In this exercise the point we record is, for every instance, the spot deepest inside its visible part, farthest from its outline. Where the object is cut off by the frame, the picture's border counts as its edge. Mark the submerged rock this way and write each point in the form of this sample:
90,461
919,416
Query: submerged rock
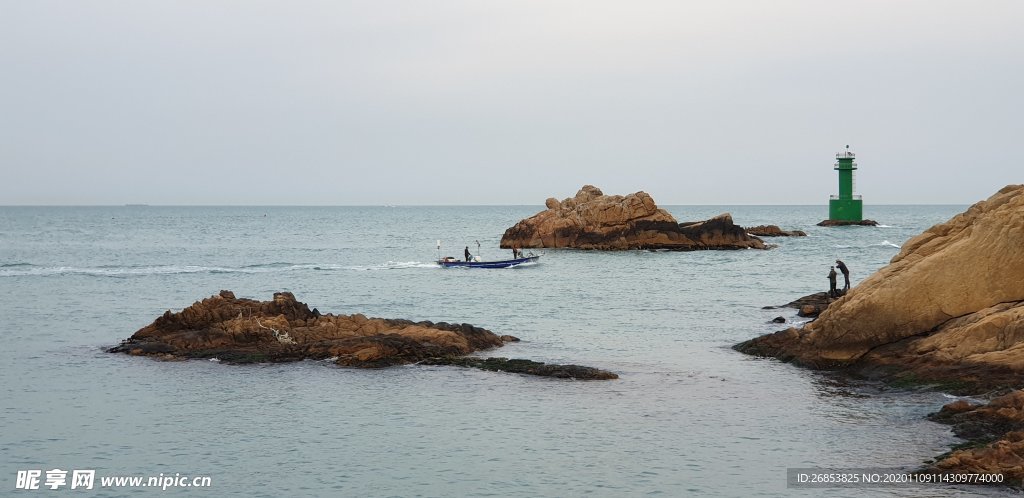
774,231
525,367
247,331
592,220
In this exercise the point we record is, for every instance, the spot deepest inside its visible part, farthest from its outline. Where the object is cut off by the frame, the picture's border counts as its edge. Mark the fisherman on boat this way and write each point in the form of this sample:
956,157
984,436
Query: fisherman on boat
467,253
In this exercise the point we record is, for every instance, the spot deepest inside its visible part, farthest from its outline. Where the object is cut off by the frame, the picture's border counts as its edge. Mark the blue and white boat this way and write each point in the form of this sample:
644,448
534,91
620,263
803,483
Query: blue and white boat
476,262
451,262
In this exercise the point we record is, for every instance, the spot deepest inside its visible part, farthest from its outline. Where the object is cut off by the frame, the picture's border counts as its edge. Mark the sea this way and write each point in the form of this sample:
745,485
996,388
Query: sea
688,415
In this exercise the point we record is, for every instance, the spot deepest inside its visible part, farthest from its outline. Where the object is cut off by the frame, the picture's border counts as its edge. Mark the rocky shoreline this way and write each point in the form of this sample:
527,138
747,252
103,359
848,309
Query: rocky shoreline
240,331
946,313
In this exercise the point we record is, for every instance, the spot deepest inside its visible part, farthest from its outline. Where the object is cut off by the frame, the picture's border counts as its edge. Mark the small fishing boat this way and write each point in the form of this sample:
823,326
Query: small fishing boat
451,262
475,261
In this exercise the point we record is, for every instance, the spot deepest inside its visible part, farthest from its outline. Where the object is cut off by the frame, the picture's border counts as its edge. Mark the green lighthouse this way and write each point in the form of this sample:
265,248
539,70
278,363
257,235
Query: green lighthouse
845,206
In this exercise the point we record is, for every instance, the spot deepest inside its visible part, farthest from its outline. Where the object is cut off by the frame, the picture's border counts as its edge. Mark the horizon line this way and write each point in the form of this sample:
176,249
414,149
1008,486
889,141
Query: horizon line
143,205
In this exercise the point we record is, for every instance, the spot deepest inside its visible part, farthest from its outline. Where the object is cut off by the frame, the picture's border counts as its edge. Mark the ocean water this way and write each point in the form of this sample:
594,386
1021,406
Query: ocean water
688,416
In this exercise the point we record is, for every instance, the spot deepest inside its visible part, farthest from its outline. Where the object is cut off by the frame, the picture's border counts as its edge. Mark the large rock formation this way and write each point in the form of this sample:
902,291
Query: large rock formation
592,220
948,311
949,306
284,329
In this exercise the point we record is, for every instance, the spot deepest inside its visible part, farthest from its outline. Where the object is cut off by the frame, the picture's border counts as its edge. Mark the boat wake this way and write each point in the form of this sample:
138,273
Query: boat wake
113,271
393,265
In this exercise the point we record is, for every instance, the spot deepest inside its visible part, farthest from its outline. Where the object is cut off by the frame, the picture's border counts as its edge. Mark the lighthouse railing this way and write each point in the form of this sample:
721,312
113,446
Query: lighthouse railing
854,197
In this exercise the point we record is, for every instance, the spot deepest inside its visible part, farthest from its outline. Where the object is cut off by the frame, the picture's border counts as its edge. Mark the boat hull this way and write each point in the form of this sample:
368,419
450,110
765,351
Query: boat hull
487,264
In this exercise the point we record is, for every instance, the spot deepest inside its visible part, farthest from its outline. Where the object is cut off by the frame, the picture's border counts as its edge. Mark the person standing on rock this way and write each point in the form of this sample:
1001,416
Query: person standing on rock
832,282
467,253
846,274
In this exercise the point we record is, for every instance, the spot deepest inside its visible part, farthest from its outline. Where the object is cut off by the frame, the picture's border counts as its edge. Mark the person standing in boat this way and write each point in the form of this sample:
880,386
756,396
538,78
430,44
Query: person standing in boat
832,282
467,253
846,274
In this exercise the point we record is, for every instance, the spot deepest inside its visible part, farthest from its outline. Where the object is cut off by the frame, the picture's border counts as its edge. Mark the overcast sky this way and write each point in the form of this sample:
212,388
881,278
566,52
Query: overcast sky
507,102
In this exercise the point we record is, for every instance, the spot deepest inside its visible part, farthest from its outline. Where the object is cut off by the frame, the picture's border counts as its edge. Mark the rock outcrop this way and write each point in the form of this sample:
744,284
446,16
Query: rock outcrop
237,330
840,223
774,231
592,220
949,306
810,305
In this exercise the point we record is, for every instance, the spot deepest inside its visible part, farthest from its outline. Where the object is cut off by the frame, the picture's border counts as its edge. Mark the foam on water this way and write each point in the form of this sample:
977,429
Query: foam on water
393,265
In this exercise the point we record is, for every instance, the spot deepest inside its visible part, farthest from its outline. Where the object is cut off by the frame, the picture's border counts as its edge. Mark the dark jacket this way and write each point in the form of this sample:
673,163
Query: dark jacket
842,267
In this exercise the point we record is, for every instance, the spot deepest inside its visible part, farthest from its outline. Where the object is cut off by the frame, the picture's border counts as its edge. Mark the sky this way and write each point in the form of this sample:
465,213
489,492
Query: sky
385,102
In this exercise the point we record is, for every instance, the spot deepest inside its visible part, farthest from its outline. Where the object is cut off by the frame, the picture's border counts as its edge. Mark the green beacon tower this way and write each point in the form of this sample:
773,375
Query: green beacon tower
846,206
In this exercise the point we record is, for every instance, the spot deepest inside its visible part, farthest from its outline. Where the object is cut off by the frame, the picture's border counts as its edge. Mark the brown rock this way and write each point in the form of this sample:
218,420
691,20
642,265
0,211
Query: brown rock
284,329
774,231
808,310
592,220
998,426
948,307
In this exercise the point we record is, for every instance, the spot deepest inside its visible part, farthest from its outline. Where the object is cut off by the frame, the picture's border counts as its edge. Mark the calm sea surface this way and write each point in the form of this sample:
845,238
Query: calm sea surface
688,416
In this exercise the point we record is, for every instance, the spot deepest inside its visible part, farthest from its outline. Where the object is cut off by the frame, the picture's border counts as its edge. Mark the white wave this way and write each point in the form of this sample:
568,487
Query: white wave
393,265
969,399
884,243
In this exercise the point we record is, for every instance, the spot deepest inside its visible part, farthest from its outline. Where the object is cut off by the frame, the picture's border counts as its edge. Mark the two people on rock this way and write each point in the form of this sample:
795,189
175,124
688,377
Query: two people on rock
832,292
846,274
